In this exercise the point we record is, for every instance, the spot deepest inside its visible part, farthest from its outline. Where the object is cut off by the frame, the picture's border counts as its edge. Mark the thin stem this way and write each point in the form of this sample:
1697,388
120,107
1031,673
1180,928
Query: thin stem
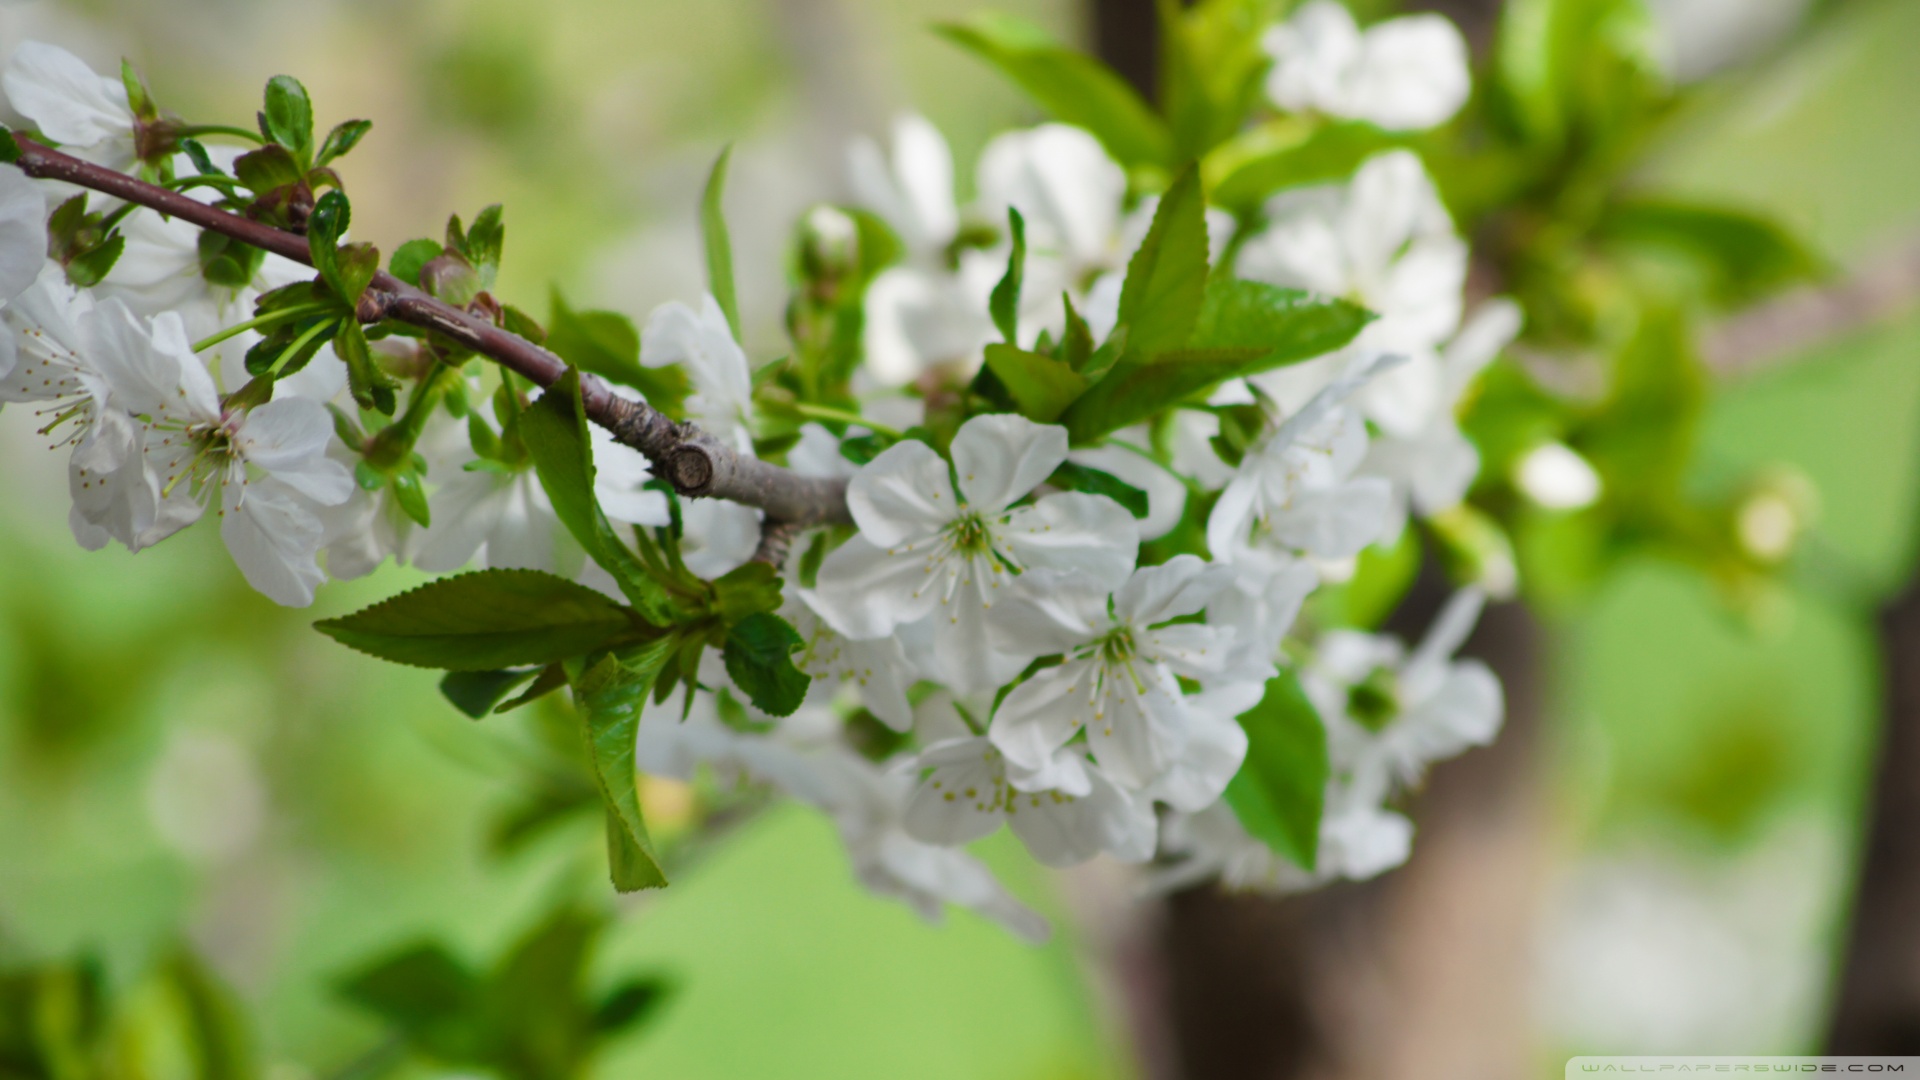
304,340
842,416
194,131
255,323
693,461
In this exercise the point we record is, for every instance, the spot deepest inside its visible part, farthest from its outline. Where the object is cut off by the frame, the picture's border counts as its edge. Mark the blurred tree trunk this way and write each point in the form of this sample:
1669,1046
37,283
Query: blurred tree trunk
1126,34
1420,973
1877,1007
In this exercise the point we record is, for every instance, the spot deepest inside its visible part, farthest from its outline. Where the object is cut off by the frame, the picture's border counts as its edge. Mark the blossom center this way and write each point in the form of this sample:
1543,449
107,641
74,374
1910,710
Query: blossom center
1374,701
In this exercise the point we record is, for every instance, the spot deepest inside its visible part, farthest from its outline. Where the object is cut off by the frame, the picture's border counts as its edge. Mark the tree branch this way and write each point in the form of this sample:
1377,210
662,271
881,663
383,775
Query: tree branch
693,461
1765,336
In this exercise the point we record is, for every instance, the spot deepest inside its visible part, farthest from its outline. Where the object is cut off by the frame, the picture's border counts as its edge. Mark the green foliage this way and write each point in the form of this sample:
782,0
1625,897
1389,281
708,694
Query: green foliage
1271,326
85,243
1038,386
1074,87
347,269
759,659
64,1020
371,387
610,692
607,344
555,432
1291,153
1381,577
1167,277
1004,303
1279,792
341,140
411,257
288,116
477,692
1211,69
1738,257
530,1016
485,620
1072,477
713,229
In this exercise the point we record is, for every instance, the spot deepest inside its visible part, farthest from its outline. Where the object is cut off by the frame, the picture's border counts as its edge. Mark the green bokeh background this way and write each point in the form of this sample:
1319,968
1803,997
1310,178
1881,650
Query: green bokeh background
1677,722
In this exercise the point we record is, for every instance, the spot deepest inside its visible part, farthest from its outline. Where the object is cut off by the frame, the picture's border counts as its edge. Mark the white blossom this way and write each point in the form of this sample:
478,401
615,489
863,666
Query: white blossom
702,343
877,669
23,233
501,514
46,357
1065,814
1395,712
87,114
1555,476
1432,468
1119,677
1359,838
1403,74
932,307
266,466
925,552
1386,242
1296,489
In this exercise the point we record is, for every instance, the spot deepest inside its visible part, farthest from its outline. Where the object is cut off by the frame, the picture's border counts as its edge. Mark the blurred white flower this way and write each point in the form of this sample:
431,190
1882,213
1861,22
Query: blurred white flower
1403,74
1065,814
1556,477
1395,713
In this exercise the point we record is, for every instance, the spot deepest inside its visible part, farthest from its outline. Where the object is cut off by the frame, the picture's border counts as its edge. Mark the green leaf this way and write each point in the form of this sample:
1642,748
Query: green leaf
485,620
427,994
477,692
486,243
1004,303
371,387
411,256
1167,277
220,1037
611,693
10,151
759,657
1074,87
268,169
1243,328
1211,69
1265,161
139,98
331,218
713,229
607,344
1040,386
288,119
92,267
555,431
1072,477
748,589
1276,326
1742,256
341,140
1280,791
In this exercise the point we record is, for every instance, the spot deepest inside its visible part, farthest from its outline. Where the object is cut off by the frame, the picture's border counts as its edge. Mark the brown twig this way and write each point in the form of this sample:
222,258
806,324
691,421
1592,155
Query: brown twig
1771,333
693,461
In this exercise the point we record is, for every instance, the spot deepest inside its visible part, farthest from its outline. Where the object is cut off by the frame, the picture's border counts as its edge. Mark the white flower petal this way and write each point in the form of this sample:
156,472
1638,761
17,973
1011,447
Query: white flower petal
903,495
864,592
1073,531
1000,457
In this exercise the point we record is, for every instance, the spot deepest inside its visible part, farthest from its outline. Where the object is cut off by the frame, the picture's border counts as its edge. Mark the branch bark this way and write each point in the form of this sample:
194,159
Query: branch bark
693,461
1774,332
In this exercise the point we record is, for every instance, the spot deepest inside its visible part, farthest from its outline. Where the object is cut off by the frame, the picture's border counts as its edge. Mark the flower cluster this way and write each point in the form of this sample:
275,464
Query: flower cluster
1071,622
